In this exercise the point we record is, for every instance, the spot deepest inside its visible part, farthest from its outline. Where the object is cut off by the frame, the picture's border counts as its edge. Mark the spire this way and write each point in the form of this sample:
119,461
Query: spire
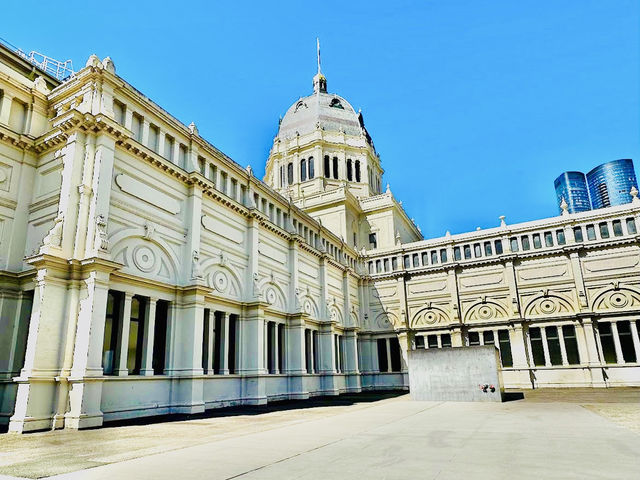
319,80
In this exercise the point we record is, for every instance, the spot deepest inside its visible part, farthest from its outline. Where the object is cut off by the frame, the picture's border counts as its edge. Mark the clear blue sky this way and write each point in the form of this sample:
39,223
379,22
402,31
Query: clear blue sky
474,106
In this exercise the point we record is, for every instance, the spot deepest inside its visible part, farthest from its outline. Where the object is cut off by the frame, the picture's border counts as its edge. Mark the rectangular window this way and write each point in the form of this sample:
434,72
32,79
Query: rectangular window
396,361
445,340
548,239
386,264
119,111
553,343
432,341
467,252
560,237
378,266
416,260
160,337
136,126
487,337
169,144
425,259
577,234
406,263
434,257
474,338
631,226
570,344
383,364
18,116
112,325
373,240
419,341
498,246
626,341
514,244
182,161
591,232
617,228
456,253
487,249
537,243
604,230
606,340
281,345
308,361
154,134
394,263
537,351
443,255
136,335
477,250
526,244
270,347
505,348
231,359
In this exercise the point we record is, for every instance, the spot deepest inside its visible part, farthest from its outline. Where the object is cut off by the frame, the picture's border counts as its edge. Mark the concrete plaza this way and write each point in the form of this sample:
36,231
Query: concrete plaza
550,434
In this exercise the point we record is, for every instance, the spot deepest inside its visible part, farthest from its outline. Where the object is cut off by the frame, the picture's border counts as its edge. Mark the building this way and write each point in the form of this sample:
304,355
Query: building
607,185
572,187
144,272
611,182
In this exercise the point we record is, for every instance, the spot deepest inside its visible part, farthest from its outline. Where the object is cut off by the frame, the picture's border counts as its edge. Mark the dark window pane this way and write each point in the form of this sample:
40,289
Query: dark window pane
537,243
467,252
505,348
548,239
432,341
425,259
456,253
407,263
606,340
312,171
591,232
498,245
626,341
419,341
537,351
577,233
570,344
514,244
383,365
560,237
617,228
487,337
394,347
443,255
553,342
604,230
487,248
434,257
477,251
631,226
526,245
445,340
474,338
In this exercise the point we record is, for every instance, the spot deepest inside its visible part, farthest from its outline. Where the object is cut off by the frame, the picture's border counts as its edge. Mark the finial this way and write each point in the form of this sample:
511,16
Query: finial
564,207
478,229
388,189
319,80
502,222
447,233
193,129
318,45
634,194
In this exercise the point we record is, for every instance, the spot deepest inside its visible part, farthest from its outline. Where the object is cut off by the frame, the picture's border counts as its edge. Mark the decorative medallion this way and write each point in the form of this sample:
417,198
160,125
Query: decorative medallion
220,281
271,296
144,258
307,307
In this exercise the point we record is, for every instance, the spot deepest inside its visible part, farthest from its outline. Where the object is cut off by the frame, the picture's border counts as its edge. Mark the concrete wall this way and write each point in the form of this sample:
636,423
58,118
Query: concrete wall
455,374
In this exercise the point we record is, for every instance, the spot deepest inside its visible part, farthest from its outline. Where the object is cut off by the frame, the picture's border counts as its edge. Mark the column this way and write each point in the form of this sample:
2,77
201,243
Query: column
161,138
456,337
212,341
518,346
563,350
636,340
5,108
224,343
545,346
616,342
588,342
388,343
176,153
146,368
123,340
128,118
276,349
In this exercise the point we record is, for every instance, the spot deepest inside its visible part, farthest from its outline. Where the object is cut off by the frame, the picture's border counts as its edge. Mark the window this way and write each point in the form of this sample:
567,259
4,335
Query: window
112,325
631,226
514,244
18,116
373,240
445,340
335,167
327,166
432,341
537,350
498,246
290,173
591,232
386,264
617,228
416,260
577,234
154,133
570,344
487,337
560,237
406,262
505,348
182,161
383,364
553,344
349,170
419,341
136,334
119,111
487,249
443,255
394,350
548,239
303,170
434,257
626,341
394,263
467,252
357,170
425,259
335,103
604,230
378,267
524,240
474,338
456,253
606,341
477,250
136,126
169,143
371,268
160,337
312,171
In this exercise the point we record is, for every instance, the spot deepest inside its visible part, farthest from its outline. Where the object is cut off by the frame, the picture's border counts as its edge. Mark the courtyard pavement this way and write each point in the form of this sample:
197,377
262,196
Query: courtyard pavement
551,434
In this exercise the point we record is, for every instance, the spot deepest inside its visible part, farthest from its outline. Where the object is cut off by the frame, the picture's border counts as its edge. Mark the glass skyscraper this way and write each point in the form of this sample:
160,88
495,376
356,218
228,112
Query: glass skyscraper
606,185
572,186
610,183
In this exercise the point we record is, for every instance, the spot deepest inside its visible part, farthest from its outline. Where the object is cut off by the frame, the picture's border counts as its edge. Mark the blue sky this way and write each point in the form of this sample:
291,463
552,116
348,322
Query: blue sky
474,106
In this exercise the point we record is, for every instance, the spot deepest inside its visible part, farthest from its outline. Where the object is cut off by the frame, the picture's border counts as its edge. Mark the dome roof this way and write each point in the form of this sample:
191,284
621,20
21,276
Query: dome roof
326,110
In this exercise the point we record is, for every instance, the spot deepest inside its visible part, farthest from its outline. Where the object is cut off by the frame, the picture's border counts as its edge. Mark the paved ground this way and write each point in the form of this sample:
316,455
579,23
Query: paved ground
550,434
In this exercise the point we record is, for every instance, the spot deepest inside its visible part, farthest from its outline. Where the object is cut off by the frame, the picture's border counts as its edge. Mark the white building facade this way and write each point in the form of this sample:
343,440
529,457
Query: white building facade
146,273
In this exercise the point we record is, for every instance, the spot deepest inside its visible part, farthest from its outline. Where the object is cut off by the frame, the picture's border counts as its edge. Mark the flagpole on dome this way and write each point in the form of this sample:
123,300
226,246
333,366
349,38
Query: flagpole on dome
319,80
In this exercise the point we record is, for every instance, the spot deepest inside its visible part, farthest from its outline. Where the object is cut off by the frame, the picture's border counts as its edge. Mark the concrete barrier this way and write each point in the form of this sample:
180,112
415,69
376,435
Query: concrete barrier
465,374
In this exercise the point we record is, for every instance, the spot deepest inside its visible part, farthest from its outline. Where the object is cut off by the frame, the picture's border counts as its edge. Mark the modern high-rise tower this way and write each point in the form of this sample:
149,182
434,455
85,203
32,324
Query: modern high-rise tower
572,186
611,182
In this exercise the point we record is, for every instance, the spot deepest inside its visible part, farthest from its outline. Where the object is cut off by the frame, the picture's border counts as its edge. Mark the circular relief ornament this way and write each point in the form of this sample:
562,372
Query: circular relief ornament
619,300
484,312
144,258
271,296
220,281
307,307
430,317
547,306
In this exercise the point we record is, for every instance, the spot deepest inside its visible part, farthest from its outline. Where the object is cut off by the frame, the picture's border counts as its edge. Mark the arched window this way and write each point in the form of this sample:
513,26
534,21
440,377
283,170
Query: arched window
335,167
327,166
290,173
335,103
357,170
312,172
349,170
303,170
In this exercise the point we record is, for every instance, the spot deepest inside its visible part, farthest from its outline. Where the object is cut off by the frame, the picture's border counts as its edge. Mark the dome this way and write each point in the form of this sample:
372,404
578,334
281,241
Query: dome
324,110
